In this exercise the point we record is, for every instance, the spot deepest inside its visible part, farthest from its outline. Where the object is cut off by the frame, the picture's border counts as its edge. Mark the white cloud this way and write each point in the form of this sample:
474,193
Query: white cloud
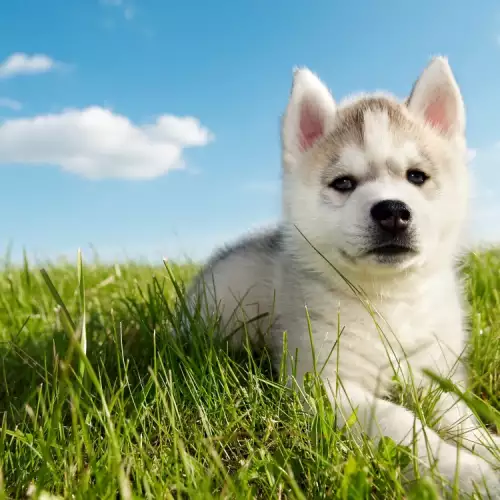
20,63
96,143
5,102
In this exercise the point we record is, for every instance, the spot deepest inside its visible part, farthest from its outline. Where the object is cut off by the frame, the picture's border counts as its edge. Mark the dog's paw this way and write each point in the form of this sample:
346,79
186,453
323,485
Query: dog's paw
487,446
470,473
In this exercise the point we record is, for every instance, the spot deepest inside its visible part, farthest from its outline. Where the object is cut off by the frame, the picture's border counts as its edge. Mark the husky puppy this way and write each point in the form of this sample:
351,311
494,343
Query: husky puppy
377,188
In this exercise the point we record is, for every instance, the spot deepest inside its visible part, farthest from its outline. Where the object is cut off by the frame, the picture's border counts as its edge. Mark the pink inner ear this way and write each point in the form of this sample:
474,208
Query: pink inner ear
311,125
437,114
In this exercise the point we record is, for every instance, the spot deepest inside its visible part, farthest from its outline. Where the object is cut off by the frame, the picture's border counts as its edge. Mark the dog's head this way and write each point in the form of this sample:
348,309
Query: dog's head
375,183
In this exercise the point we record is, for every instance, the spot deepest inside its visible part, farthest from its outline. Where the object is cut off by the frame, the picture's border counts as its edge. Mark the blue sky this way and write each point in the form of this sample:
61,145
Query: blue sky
76,76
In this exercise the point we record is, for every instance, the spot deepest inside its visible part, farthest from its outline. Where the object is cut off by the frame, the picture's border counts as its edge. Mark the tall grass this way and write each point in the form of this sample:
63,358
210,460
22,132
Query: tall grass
99,400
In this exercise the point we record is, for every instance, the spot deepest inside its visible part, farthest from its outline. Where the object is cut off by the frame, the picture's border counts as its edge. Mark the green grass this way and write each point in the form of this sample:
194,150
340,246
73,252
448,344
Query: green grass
122,409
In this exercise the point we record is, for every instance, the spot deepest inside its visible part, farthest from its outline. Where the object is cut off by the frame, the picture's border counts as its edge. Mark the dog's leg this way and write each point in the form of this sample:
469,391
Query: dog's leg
377,418
459,422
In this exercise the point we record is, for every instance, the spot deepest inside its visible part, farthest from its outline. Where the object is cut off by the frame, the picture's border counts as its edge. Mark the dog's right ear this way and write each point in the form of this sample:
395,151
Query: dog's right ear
436,98
308,116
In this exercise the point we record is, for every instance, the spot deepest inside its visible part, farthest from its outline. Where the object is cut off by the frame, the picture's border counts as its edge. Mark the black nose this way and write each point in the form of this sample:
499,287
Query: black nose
392,216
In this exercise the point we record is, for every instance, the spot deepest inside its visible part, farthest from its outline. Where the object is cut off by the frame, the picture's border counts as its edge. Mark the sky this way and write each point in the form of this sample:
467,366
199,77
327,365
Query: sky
149,128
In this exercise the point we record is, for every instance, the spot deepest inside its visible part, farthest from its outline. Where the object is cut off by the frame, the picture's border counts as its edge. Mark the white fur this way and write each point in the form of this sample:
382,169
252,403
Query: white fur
417,302
380,143
354,159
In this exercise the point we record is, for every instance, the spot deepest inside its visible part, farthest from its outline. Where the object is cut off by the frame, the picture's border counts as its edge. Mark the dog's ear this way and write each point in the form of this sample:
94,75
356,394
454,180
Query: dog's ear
308,116
436,98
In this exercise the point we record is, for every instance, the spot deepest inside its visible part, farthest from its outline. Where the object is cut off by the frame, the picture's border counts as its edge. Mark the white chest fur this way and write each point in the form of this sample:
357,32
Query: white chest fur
367,342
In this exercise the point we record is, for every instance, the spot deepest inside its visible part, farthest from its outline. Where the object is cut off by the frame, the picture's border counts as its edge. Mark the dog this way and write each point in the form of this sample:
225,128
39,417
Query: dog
375,196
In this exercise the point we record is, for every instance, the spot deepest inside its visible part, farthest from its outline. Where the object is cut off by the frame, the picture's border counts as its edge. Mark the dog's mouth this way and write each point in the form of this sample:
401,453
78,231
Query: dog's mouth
385,253
391,250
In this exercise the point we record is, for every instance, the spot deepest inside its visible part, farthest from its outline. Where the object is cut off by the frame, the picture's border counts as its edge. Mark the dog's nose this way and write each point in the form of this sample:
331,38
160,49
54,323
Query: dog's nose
391,215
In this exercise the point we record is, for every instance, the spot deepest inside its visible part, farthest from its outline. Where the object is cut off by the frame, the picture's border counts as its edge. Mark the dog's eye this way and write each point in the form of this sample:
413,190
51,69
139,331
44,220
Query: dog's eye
343,184
416,177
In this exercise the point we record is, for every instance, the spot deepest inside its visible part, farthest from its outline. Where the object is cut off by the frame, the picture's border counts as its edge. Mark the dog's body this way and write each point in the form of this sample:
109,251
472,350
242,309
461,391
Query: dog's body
378,188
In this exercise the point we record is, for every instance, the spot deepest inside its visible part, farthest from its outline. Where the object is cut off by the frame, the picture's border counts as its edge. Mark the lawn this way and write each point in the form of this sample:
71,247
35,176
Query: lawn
99,400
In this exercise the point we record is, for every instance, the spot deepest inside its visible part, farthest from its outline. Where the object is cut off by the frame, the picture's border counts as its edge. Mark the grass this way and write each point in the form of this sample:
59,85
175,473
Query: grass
99,400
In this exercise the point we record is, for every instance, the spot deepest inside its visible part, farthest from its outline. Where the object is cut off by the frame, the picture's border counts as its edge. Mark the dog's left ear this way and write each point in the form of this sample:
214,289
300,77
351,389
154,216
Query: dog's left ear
436,98
308,116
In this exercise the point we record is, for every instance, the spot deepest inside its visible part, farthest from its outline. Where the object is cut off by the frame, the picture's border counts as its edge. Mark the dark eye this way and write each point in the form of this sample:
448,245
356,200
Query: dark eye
343,184
416,177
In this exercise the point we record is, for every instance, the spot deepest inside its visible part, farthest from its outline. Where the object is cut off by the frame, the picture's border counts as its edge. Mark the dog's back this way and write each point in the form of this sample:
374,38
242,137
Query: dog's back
238,282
